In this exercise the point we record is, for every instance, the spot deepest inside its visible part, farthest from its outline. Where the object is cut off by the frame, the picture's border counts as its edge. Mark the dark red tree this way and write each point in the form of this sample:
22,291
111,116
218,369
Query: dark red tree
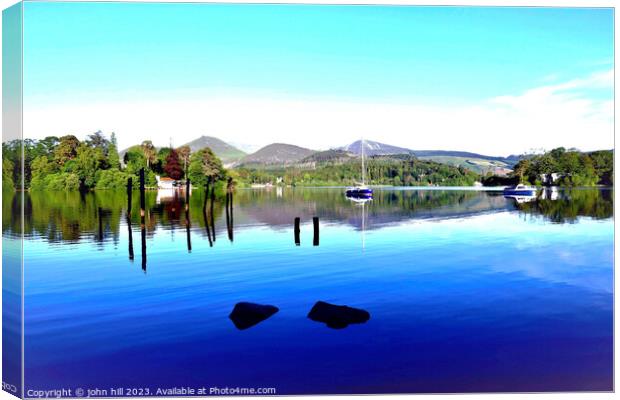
173,168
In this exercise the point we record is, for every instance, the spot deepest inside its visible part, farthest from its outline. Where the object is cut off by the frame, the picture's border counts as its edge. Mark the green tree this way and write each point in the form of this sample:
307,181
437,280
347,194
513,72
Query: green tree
7,175
98,141
41,166
46,146
66,149
134,159
87,164
113,158
149,152
184,153
204,166
160,160
521,169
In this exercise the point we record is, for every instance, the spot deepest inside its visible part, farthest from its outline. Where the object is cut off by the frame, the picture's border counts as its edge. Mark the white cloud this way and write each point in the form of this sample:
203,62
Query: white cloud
563,114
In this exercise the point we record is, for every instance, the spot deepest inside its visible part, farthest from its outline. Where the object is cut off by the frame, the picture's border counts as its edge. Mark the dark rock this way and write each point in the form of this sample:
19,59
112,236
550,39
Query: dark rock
337,317
245,315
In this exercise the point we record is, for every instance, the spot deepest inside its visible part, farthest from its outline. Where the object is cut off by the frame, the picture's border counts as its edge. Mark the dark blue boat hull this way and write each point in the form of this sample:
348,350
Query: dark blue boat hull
508,192
359,192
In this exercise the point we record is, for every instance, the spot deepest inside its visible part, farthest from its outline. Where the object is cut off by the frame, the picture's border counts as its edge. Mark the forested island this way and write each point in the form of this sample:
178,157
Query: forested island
66,163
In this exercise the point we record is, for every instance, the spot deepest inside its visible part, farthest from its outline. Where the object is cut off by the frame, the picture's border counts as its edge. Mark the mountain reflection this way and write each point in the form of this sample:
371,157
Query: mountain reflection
71,217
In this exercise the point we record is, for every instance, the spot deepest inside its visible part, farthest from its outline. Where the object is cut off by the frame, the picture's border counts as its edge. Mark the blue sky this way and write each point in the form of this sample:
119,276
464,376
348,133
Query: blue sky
283,56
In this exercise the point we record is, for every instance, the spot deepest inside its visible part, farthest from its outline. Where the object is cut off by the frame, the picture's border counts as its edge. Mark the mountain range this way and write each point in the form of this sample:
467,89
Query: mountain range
476,162
282,154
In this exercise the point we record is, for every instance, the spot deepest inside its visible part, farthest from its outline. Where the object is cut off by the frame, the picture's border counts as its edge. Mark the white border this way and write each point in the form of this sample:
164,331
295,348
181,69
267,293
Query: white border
515,3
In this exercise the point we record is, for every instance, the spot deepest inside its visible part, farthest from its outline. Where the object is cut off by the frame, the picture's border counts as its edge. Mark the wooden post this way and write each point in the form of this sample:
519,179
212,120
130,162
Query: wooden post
297,230
206,217
129,231
129,194
142,219
315,223
143,237
128,217
232,224
142,198
211,213
229,215
99,215
189,237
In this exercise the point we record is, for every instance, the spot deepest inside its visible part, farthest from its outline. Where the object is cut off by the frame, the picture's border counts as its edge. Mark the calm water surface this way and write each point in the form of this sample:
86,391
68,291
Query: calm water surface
466,291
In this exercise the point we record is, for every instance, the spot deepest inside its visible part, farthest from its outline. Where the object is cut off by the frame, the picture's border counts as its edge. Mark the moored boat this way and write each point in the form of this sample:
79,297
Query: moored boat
520,190
361,191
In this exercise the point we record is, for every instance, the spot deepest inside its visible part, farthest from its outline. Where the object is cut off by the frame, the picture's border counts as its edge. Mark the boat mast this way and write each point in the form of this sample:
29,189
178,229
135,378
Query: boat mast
363,167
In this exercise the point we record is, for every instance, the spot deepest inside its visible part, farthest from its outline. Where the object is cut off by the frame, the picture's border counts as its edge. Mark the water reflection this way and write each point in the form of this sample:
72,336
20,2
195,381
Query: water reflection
65,217
566,206
520,199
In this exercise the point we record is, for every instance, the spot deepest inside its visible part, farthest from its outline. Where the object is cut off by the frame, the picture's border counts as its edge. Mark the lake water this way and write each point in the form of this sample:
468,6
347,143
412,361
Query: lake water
467,291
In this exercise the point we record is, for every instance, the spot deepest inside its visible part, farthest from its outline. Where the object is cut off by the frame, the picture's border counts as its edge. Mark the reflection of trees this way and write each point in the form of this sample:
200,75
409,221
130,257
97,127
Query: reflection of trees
11,210
71,216
68,216
572,204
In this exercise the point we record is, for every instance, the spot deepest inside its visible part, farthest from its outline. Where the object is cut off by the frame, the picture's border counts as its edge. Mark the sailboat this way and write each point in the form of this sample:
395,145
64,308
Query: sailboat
361,191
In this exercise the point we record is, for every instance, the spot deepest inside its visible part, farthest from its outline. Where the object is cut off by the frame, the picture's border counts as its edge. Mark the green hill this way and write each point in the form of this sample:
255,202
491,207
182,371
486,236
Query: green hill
227,153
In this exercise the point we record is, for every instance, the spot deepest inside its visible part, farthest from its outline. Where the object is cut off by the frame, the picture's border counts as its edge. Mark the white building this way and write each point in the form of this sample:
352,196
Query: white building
165,183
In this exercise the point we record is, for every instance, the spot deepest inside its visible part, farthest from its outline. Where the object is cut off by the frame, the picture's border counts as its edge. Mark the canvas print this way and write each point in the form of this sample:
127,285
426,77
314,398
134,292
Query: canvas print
203,199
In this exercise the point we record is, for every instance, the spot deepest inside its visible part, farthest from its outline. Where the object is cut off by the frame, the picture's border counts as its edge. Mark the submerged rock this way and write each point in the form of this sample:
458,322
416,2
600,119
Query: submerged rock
337,317
245,315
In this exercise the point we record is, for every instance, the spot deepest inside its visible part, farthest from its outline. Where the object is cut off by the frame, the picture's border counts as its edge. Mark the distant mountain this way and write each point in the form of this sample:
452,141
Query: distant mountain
227,153
374,148
276,154
461,154
332,156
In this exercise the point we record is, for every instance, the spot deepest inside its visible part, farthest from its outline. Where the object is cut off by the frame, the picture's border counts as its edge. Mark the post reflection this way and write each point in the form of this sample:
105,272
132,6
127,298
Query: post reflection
128,217
229,209
143,219
187,218
206,211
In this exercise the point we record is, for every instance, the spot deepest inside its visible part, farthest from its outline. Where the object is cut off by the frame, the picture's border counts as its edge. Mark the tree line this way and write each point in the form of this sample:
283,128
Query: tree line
66,163
396,170
572,168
